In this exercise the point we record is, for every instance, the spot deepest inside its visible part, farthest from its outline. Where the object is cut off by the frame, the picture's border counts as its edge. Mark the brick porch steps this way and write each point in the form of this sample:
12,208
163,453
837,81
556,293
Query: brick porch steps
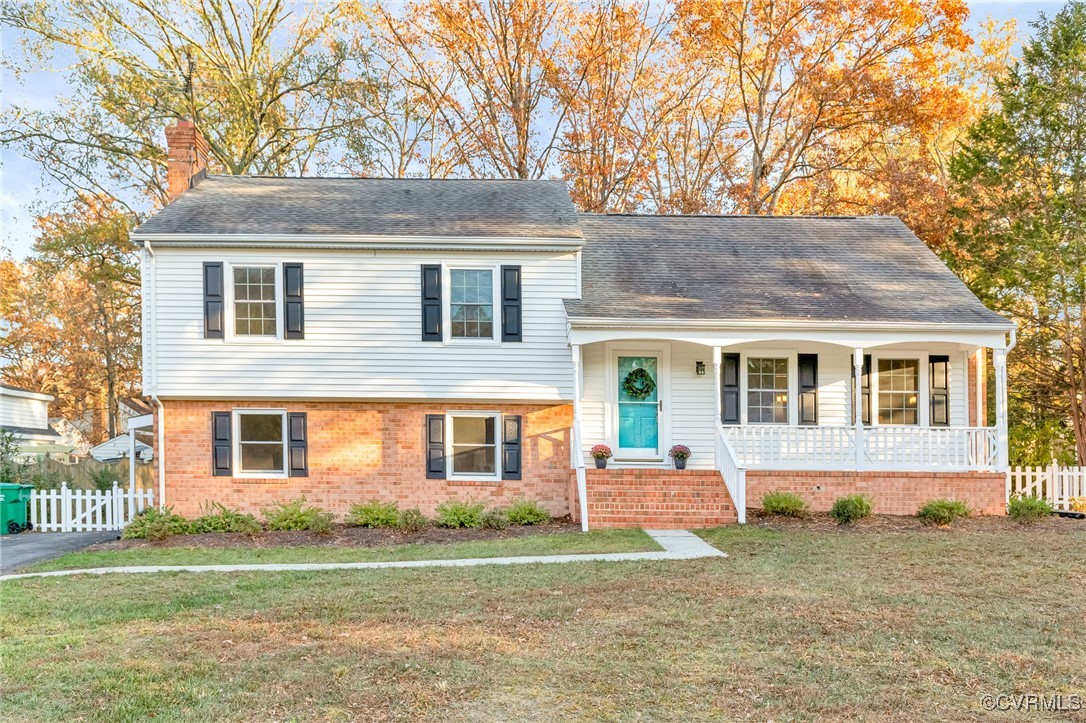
657,498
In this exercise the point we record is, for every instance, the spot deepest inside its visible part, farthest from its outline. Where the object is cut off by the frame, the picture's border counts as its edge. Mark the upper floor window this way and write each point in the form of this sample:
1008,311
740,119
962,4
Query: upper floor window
471,303
255,301
767,391
899,391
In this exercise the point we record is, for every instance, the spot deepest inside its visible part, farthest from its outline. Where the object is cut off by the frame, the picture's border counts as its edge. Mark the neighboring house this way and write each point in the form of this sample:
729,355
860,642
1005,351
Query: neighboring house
118,448
25,413
71,435
423,340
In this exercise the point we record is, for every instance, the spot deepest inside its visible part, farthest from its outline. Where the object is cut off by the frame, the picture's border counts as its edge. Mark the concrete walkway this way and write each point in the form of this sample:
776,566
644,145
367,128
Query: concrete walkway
27,548
677,544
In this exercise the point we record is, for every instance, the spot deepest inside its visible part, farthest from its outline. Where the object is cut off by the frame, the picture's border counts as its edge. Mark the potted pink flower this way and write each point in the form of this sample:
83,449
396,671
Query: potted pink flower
679,454
601,453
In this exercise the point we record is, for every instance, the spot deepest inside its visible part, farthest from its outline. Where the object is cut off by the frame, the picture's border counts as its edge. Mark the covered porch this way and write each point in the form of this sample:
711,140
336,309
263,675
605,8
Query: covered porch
776,400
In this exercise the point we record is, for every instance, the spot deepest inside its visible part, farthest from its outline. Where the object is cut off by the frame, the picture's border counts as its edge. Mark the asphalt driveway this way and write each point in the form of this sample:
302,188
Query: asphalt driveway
27,548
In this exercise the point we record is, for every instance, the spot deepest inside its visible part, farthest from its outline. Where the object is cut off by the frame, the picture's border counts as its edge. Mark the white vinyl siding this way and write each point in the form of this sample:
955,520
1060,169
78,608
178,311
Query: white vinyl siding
19,411
363,332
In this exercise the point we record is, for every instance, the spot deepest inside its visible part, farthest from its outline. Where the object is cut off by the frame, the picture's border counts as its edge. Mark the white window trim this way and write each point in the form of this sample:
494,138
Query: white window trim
923,394
228,273
792,355
236,445
663,352
498,431
446,304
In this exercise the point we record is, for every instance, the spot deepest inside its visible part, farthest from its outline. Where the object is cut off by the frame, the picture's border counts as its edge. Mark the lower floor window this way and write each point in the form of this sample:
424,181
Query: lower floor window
261,442
899,389
767,391
473,444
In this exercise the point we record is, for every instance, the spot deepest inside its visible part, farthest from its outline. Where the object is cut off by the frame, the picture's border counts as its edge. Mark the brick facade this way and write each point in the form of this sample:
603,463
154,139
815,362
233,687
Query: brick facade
655,498
891,493
360,451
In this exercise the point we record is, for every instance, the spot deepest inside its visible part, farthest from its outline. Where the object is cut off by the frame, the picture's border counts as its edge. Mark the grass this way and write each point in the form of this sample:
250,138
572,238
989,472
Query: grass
792,625
557,544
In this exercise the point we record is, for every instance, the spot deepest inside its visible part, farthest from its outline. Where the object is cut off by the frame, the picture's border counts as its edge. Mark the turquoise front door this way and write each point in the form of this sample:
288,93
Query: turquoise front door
638,407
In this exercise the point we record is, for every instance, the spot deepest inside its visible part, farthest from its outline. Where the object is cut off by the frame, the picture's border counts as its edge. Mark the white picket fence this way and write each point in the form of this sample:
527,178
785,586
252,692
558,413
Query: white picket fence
68,510
1054,483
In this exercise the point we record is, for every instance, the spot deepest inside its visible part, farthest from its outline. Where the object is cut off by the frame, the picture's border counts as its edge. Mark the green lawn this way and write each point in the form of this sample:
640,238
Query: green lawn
792,625
558,544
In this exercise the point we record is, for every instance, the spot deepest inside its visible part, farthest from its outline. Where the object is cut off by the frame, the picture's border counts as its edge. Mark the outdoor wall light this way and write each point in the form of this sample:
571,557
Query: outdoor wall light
699,368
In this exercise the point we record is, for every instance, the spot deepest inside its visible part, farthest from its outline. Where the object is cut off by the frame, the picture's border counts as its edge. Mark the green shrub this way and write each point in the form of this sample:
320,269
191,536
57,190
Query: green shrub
220,518
103,479
374,514
942,512
296,515
411,521
1028,509
459,514
494,519
527,512
785,504
156,524
850,508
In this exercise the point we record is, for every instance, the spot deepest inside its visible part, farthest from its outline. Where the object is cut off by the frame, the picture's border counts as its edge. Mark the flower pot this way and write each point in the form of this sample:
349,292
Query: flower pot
679,463
601,463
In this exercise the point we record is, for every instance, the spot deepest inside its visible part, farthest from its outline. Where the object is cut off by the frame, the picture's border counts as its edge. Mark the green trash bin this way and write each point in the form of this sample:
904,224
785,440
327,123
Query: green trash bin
13,502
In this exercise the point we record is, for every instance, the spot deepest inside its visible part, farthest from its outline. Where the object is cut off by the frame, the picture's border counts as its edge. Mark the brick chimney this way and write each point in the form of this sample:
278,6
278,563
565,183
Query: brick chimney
187,158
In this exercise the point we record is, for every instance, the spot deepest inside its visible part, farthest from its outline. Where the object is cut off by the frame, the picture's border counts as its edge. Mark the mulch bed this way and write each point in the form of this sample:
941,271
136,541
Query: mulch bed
823,523
343,536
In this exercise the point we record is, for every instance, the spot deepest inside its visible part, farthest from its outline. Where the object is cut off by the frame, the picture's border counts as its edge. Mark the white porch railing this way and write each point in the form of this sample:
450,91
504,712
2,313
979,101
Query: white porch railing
1053,483
883,448
734,474
68,510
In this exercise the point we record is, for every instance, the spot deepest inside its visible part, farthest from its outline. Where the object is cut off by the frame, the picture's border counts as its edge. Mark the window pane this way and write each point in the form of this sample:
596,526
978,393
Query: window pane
899,384
260,427
471,306
474,448
254,301
261,457
767,391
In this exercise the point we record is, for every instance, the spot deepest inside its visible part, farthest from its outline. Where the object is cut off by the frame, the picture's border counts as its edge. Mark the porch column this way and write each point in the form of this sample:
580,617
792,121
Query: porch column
717,386
577,453
999,359
131,457
857,405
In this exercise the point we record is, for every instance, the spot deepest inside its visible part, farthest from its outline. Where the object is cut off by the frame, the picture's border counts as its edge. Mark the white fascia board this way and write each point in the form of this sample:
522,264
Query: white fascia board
799,325
25,394
144,421
339,242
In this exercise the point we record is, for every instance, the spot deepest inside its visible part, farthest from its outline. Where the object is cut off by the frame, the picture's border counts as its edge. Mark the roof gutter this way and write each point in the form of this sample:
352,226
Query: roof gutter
804,325
358,241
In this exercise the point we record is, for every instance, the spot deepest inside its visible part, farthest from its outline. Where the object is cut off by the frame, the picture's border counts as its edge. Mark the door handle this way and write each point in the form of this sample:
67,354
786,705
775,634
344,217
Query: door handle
660,405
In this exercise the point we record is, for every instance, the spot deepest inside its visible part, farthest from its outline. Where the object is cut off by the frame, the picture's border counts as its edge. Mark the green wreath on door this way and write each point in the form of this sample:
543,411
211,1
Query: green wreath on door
639,384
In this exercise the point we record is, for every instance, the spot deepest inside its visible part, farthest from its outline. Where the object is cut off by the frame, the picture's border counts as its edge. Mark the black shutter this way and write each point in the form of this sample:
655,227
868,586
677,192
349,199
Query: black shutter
293,302
220,444
729,388
213,300
435,446
297,445
865,391
808,388
511,323
431,302
511,447
939,380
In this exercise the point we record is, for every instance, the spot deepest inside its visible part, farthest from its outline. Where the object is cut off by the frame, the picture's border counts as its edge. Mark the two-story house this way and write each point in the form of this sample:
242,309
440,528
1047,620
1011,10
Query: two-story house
422,340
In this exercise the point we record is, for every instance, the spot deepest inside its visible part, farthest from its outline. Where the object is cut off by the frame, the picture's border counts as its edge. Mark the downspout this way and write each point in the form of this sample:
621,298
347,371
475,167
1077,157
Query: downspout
577,452
153,376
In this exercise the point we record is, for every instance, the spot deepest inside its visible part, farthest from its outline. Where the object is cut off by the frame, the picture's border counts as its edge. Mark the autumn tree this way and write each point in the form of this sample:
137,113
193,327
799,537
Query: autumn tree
819,80
261,79
1021,243
72,316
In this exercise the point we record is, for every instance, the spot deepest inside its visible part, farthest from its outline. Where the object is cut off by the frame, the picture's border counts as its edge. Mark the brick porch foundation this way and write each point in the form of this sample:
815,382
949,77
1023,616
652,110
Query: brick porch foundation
360,451
655,498
891,493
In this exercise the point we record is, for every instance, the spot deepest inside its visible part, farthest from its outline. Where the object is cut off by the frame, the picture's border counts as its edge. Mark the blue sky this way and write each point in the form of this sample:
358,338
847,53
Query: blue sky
25,191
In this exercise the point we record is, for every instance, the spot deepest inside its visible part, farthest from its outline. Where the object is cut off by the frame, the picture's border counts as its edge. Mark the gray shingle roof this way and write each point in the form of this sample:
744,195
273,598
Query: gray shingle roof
767,268
370,207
